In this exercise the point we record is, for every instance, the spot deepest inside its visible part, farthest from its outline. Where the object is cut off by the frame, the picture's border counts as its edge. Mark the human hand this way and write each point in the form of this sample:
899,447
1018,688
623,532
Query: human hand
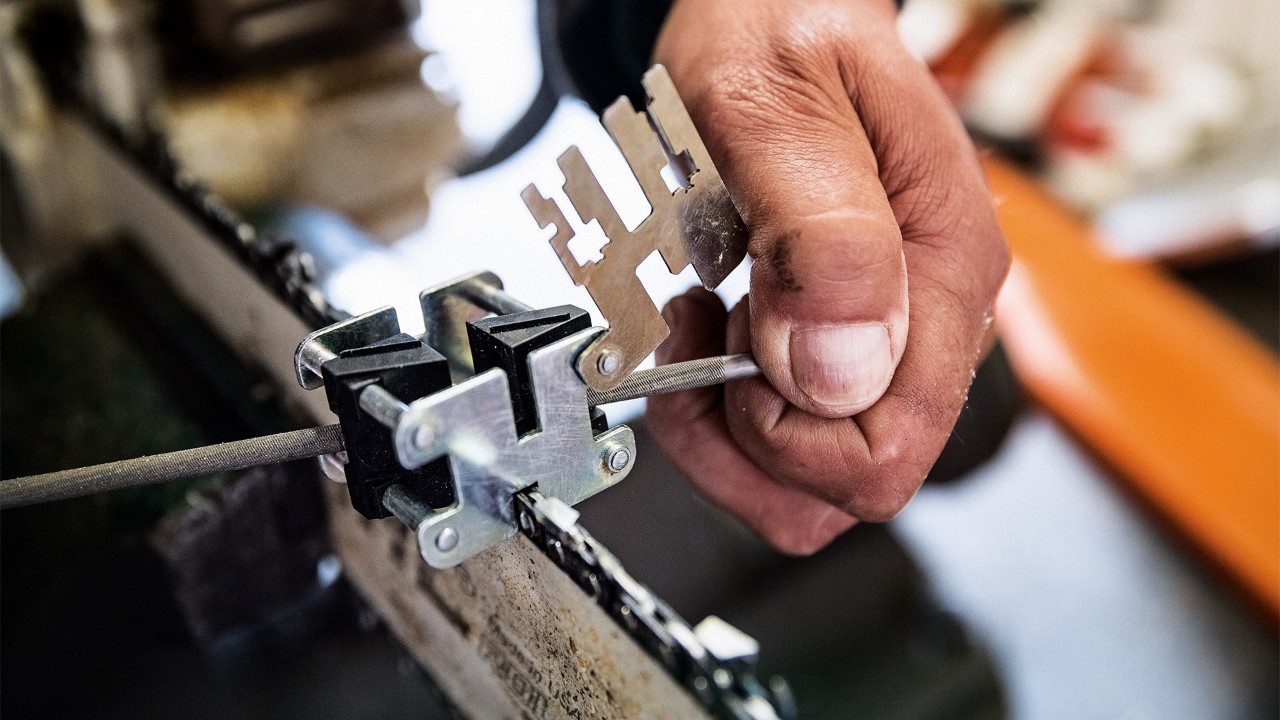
876,262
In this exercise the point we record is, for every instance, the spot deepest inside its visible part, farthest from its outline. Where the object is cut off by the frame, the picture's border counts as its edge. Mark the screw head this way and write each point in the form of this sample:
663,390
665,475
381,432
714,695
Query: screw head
609,362
424,437
618,458
447,540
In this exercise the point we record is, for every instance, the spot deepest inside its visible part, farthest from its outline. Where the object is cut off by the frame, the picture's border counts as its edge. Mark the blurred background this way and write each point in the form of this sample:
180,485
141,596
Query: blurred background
1100,539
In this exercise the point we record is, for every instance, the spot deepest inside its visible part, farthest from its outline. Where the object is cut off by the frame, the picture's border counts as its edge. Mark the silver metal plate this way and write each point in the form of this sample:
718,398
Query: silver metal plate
448,307
473,424
328,342
696,223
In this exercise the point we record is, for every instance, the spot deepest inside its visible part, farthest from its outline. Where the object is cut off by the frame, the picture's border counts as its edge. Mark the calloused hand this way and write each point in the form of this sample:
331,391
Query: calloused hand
876,262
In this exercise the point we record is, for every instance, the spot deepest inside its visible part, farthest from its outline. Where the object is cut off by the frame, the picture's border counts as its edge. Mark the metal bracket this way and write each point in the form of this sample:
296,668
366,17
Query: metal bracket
473,424
696,223
328,342
449,306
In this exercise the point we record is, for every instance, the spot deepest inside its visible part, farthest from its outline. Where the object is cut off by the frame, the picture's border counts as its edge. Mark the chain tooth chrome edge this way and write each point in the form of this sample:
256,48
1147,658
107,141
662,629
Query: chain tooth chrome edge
724,689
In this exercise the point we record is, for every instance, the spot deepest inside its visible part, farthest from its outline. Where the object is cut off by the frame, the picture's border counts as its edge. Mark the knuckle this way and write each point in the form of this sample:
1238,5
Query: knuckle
798,537
1001,259
832,251
803,50
934,205
754,411
786,80
776,440
853,244
985,264
880,506
790,543
785,540
899,472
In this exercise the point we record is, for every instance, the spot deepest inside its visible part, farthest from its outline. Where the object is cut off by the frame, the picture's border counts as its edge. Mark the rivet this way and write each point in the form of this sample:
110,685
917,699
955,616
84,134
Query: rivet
609,362
424,437
619,458
447,539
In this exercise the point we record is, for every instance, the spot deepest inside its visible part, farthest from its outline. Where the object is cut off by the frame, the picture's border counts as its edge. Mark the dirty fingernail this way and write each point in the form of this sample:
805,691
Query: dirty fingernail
843,368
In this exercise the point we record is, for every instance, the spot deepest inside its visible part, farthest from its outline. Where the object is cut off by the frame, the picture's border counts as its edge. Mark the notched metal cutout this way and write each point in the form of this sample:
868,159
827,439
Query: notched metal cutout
696,224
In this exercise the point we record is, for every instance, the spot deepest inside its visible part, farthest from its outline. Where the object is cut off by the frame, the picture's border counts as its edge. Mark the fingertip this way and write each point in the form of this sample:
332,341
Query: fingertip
704,298
696,319
841,369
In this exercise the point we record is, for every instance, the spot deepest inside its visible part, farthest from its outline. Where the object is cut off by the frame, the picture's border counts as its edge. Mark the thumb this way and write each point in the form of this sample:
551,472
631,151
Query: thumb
829,306
829,284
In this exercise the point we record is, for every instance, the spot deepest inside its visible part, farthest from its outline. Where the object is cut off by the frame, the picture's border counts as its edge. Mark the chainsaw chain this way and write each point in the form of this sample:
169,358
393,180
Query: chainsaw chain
725,688
287,270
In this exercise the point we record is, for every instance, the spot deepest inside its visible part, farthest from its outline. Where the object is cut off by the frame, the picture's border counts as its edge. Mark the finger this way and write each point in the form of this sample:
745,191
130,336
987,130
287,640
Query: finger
931,174
827,458
956,258
829,278
697,321
691,429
